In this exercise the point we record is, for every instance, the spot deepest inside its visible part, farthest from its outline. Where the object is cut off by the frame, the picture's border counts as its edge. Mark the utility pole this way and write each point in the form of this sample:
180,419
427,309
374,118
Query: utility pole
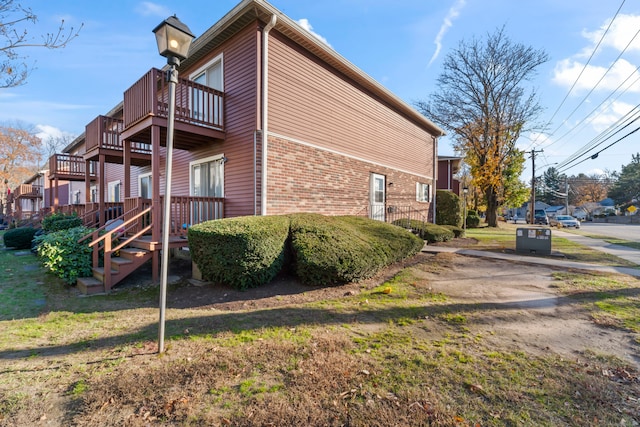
566,190
532,208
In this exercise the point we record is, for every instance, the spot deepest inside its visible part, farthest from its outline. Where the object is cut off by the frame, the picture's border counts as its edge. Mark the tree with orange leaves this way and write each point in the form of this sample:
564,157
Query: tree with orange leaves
20,156
482,102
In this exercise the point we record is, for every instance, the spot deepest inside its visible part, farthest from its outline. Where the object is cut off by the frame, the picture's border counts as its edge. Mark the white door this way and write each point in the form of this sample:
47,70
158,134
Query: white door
377,197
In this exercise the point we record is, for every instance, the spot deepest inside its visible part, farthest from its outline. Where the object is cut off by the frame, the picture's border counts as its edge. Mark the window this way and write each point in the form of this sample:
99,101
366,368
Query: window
207,177
144,185
114,191
422,192
203,104
94,193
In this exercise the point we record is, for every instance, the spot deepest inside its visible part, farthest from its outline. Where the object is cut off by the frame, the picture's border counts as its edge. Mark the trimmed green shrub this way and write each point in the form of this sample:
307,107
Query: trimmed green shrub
436,233
333,250
64,256
59,221
448,208
432,233
19,238
473,219
242,252
457,231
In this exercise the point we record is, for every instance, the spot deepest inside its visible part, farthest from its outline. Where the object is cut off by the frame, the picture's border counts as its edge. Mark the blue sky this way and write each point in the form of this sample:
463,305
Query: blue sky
400,43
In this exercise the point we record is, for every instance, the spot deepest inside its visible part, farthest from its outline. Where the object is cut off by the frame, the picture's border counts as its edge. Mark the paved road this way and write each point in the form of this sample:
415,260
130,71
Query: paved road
619,231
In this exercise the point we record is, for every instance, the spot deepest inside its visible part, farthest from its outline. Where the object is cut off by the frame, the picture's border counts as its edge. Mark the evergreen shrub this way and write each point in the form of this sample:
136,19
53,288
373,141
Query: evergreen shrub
333,250
448,208
19,238
64,256
473,219
242,252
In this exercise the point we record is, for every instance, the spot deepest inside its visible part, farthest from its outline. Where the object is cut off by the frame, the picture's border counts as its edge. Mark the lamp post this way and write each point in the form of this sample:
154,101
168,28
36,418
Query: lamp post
174,39
465,190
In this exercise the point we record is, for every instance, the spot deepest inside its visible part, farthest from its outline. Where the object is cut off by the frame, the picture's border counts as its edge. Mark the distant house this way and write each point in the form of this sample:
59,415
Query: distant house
447,168
27,199
269,120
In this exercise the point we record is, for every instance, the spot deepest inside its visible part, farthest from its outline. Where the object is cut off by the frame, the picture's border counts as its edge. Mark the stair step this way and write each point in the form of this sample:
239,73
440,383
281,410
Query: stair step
118,261
98,273
90,285
132,253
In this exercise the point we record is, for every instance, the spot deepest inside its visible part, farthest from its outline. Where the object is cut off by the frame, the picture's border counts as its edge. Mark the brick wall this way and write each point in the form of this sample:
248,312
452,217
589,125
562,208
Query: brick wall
306,179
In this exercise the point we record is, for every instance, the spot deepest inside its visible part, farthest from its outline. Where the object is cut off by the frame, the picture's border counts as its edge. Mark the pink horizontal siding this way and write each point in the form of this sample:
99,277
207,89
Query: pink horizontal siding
313,103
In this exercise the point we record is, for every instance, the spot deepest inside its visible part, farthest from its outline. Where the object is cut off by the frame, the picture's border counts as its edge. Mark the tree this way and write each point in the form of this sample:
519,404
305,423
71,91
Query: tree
14,36
554,187
20,155
626,189
588,188
481,101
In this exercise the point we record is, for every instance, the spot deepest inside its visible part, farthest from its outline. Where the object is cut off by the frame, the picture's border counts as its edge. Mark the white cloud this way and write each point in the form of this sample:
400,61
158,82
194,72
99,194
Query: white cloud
454,12
567,71
147,8
596,171
304,23
46,132
609,114
622,31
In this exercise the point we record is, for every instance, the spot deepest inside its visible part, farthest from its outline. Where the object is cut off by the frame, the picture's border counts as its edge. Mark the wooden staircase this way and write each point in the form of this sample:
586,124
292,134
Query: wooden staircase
128,261
121,249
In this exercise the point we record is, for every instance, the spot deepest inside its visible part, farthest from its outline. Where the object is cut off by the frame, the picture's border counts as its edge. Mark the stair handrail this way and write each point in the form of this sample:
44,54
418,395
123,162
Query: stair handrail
107,239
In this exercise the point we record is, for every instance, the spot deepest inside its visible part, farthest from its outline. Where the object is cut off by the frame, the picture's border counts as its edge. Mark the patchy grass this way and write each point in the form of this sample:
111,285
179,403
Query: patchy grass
614,300
392,353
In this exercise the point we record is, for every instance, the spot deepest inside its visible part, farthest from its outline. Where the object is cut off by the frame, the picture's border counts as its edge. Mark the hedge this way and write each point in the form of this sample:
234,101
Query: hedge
242,252
432,233
457,231
473,219
249,251
332,250
448,208
19,238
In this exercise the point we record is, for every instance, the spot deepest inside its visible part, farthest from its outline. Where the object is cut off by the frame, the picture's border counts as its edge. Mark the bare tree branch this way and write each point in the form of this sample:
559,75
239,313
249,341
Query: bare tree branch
481,101
14,69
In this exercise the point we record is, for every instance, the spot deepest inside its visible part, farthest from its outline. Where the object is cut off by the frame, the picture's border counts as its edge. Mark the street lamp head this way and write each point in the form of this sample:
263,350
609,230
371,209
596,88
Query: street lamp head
465,190
174,39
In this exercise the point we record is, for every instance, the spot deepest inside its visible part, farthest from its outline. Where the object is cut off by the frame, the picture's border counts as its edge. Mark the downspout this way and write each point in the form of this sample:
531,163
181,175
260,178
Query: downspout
264,110
435,175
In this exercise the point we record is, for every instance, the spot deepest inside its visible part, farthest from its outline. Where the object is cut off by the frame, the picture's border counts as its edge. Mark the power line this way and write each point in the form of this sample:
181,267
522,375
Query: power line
581,72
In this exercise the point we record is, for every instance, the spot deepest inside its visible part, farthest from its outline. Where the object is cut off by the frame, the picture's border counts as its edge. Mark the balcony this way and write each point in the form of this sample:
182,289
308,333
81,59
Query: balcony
27,191
103,137
68,167
199,114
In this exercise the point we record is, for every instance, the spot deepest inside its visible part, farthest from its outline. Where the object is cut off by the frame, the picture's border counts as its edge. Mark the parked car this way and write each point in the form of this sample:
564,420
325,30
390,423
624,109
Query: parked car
539,217
564,221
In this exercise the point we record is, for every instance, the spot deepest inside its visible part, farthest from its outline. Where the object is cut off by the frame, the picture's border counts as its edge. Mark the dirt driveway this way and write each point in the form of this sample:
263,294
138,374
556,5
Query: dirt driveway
519,305
511,304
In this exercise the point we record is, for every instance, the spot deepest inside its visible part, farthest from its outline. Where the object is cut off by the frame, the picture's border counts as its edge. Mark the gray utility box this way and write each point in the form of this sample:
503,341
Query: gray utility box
533,241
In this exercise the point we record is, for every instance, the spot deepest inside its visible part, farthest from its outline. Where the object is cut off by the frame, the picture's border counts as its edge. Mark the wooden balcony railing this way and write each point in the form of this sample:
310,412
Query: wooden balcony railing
68,166
104,132
195,103
185,211
27,191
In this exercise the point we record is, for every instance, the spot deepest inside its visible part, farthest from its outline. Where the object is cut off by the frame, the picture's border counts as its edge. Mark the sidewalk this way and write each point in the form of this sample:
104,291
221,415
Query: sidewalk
624,252
632,255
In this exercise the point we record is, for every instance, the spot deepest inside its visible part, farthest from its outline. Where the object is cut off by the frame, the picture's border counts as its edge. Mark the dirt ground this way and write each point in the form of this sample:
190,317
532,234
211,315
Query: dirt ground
511,304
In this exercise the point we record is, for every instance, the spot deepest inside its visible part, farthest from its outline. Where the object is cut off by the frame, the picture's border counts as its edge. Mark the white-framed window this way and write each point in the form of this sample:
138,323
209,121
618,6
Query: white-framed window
144,185
423,192
93,193
113,194
207,177
203,105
